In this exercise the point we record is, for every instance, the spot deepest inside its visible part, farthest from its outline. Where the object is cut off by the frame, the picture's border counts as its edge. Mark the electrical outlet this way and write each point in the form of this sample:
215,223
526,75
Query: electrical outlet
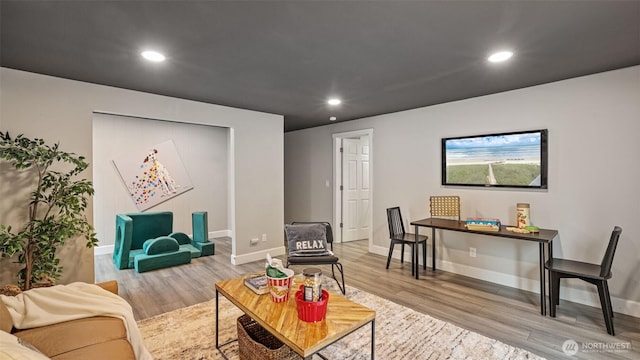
264,237
472,252
254,242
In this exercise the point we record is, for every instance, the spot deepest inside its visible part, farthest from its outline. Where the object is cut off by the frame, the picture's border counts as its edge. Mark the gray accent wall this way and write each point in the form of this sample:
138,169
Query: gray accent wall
594,125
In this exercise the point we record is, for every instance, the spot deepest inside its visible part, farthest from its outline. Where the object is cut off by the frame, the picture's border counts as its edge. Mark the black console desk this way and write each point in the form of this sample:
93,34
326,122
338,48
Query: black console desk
545,236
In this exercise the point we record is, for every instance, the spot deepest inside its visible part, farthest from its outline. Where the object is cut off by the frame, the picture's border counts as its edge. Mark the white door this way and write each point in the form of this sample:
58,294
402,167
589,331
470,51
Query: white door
355,204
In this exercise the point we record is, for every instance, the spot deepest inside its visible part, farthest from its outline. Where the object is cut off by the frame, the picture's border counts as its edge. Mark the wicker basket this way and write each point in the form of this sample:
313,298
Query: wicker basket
254,342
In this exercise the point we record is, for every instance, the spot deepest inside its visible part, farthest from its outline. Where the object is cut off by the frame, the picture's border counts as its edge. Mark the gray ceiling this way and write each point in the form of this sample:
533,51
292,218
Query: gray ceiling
288,57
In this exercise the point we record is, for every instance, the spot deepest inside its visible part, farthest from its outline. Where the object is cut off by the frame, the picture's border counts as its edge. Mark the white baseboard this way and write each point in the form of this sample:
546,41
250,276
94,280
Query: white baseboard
108,249
623,306
218,234
257,255
102,250
590,298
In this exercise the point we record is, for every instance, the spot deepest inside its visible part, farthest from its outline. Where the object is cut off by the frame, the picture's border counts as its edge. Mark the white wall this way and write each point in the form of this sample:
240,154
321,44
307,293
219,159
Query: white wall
594,124
203,151
61,110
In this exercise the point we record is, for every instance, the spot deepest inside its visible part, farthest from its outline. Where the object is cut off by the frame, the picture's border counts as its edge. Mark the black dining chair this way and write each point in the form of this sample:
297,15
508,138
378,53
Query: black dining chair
596,274
397,235
318,259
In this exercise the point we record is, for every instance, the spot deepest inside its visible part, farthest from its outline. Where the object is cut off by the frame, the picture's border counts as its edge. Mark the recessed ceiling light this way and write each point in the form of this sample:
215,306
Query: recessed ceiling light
334,101
153,56
333,118
500,56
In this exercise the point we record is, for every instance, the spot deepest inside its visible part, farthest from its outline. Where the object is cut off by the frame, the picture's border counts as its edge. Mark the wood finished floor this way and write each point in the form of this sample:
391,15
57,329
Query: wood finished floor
503,313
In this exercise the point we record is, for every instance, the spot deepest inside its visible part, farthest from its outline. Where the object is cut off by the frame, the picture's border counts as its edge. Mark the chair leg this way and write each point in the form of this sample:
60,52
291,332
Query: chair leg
402,255
424,255
390,253
414,267
554,293
605,303
552,300
341,270
606,288
556,283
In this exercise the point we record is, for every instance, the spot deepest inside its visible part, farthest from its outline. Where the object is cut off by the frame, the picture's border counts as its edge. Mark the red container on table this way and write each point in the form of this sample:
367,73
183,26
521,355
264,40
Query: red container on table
311,311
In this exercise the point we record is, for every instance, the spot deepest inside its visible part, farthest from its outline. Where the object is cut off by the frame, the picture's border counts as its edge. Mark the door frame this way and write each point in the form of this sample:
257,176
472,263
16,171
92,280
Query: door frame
337,181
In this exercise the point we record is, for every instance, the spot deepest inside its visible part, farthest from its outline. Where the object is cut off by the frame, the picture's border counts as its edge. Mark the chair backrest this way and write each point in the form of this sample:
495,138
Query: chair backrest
394,219
327,226
607,259
445,206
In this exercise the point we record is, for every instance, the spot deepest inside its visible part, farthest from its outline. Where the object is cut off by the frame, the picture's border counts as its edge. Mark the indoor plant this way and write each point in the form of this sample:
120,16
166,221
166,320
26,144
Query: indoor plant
56,207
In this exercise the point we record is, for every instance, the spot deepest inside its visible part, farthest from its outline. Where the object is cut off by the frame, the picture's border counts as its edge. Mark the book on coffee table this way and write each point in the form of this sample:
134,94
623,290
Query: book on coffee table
257,284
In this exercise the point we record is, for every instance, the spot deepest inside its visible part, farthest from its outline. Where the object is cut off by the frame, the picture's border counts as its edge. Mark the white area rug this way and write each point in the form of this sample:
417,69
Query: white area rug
401,333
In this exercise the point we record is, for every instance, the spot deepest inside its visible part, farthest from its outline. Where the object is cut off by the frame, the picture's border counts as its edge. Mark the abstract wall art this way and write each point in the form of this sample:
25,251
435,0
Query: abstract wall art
153,175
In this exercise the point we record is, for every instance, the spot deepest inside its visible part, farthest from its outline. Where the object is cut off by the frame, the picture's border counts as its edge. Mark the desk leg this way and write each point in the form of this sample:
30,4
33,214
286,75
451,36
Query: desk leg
543,282
217,317
433,249
415,253
373,339
550,249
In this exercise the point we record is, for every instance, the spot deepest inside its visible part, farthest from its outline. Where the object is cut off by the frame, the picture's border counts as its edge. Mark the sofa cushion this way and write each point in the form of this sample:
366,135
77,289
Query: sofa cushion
57,339
14,348
109,350
185,243
144,262
5,318
111,286
206,248
195,252
132,257
200,226
149,225
181,238
160,245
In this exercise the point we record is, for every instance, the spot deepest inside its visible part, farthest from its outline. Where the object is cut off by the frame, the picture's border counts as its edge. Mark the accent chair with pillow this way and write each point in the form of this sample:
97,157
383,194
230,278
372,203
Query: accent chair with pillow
311,243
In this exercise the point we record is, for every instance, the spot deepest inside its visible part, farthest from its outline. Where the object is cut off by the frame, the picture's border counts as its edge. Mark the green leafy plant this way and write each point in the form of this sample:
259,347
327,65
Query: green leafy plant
56,208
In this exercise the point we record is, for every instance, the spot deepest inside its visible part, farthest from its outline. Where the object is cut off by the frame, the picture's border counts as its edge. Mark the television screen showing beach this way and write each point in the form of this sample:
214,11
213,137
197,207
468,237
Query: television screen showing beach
508,160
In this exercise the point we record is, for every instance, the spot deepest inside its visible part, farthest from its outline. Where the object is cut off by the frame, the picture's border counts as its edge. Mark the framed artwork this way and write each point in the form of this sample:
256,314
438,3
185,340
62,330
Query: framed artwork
154,175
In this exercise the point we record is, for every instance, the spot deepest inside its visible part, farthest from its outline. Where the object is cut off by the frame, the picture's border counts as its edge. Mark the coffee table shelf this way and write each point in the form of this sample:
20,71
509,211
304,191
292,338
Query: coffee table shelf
281,319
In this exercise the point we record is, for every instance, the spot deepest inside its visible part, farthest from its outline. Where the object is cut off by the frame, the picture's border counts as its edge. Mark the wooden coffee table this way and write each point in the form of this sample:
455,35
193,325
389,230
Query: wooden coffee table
281,319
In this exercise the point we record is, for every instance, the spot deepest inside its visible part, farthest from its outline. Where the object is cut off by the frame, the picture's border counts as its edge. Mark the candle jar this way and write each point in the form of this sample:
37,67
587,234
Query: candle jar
312,283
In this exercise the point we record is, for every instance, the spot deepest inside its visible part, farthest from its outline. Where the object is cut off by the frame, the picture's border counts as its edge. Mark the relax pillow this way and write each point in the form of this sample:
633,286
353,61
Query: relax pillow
14,348
160,245
307,239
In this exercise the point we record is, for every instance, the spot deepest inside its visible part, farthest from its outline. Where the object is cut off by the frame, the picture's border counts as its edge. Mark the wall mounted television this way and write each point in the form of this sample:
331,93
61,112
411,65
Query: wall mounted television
510,160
